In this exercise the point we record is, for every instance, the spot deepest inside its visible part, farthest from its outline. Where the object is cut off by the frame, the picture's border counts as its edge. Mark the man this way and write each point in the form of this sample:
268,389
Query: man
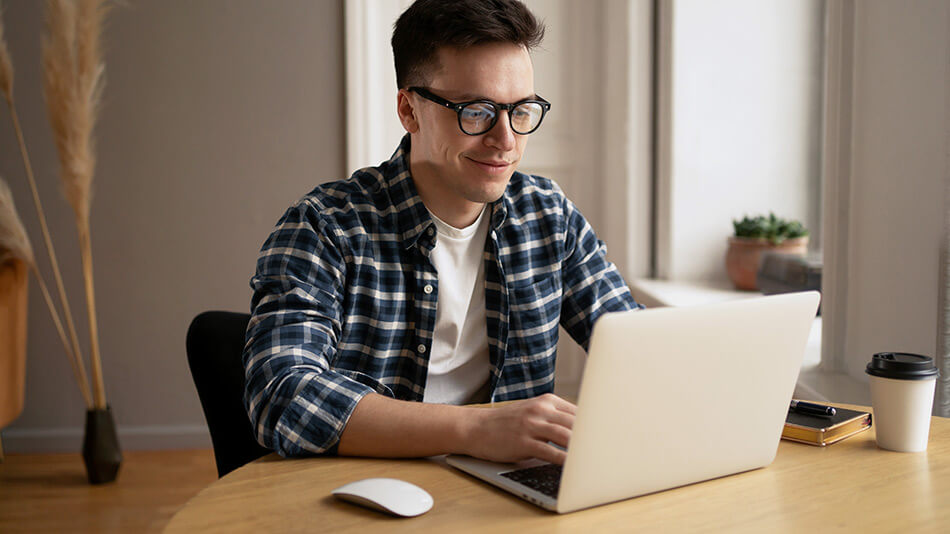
384,302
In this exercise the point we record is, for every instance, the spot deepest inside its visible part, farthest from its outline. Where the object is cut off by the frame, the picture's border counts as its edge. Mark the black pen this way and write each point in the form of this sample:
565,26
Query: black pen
811,408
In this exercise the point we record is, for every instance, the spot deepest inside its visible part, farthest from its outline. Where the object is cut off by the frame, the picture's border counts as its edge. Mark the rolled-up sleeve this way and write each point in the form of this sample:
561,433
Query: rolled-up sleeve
297,404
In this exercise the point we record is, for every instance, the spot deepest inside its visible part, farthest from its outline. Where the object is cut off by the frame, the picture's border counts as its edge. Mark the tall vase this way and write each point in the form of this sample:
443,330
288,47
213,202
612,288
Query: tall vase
100,447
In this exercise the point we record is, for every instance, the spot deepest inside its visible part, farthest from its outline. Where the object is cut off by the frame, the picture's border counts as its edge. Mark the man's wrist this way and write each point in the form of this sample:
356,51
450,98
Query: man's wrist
467,426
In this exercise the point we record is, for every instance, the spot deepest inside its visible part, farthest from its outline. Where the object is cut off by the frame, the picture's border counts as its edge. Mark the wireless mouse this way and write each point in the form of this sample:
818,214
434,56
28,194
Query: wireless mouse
389,495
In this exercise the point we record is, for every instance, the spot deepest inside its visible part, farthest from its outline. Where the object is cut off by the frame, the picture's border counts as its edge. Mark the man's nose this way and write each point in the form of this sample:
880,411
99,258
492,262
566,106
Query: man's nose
501,136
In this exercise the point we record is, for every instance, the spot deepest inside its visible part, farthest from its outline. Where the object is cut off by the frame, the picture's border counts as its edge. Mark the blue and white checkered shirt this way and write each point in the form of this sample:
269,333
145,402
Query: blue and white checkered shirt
345,299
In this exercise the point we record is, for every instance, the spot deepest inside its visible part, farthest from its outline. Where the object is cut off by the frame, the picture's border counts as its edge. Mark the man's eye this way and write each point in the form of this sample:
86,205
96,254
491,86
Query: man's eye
477,113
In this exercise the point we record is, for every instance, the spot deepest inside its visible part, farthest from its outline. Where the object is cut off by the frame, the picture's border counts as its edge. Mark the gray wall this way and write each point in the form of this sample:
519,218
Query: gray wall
900,169
216,117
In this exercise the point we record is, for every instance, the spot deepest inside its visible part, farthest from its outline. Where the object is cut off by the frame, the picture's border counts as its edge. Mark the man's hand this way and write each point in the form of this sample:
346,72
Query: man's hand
521,430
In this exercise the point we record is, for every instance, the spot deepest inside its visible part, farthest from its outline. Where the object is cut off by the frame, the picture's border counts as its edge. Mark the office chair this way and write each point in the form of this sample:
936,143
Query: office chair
214,344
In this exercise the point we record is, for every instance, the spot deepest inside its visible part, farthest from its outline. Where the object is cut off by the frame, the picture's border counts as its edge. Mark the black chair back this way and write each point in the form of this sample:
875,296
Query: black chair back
214,343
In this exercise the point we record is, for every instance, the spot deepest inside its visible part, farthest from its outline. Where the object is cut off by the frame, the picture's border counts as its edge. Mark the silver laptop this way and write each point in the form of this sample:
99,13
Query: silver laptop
669,397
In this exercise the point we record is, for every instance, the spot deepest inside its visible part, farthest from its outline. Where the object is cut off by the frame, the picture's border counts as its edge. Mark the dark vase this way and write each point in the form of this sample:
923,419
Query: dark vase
100,447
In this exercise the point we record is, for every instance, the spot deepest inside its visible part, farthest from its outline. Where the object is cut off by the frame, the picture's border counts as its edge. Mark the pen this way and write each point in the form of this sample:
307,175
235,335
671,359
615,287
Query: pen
811,408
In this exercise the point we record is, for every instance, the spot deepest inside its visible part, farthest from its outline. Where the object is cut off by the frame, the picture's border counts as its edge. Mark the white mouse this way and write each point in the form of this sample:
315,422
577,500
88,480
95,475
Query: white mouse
390,495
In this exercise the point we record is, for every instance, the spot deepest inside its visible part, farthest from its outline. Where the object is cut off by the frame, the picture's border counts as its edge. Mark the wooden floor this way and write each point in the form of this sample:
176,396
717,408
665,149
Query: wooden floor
49,492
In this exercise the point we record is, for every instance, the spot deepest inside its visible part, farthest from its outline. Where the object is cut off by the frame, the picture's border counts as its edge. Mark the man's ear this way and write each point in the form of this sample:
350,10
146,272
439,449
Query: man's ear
406,111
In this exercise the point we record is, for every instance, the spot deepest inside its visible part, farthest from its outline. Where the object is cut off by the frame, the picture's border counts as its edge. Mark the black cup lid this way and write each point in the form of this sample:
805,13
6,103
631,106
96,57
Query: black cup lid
902,366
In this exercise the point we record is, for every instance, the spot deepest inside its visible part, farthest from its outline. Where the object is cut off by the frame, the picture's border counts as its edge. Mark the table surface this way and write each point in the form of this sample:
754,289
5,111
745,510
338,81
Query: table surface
849,485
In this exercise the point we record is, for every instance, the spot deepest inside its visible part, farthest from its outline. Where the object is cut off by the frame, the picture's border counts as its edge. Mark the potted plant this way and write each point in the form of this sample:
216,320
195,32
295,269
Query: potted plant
753,236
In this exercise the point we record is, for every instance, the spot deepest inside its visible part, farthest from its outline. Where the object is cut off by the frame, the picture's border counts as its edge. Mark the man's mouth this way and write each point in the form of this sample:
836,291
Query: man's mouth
490,165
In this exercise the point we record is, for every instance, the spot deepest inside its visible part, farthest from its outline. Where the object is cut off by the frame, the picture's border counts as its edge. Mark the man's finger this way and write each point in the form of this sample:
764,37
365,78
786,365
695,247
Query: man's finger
555,434
549,453
564,406
563,419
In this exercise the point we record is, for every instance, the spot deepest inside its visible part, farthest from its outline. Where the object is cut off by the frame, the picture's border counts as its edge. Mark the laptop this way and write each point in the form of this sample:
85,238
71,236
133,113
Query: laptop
670,397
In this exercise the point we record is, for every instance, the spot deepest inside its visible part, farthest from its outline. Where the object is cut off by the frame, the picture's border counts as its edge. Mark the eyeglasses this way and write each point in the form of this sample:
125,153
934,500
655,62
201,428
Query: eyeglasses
479,116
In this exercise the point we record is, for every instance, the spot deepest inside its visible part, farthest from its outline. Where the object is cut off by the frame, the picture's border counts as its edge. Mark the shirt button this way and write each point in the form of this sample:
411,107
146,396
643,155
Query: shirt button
421,348
427,289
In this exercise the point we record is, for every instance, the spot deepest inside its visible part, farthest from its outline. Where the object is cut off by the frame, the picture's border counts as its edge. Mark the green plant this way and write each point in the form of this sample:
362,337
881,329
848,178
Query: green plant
774,229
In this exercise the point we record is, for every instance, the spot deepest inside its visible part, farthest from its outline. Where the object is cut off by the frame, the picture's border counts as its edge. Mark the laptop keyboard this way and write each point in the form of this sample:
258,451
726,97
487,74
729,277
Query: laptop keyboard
543,478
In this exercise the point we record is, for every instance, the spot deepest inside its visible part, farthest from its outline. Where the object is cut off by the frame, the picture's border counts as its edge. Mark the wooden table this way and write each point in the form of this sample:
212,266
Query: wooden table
850,485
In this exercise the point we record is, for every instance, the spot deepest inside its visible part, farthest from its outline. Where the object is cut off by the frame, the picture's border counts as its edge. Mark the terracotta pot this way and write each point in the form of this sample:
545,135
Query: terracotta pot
745,255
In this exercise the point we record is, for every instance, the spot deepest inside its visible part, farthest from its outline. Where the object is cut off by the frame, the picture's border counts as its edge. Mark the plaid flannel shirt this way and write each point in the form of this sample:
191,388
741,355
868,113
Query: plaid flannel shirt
345,299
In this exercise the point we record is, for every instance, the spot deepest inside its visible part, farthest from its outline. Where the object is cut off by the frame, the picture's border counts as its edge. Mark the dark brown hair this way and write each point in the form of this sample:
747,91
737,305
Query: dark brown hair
428,25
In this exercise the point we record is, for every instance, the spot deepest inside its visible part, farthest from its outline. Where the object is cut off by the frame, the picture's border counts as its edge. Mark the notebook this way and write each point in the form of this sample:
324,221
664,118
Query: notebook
825,430
670,397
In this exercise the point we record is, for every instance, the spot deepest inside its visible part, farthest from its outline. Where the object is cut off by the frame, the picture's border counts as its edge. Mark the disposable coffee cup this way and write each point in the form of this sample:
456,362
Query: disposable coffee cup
902,394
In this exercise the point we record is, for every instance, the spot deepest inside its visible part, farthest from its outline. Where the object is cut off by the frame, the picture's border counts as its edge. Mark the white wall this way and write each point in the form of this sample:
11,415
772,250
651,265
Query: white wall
894,198
626,200
216,117
373,129
740,124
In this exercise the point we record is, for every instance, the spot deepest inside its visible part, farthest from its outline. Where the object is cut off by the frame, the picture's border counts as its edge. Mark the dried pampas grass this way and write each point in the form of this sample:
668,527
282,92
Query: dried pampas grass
73,76
73,73
72,348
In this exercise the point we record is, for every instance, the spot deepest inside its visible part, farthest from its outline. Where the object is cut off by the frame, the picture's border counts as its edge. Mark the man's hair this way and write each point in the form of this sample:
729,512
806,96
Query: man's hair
428,25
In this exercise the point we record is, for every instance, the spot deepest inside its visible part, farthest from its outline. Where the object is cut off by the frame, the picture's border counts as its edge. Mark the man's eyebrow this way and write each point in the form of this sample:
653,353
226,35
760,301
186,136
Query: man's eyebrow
467,97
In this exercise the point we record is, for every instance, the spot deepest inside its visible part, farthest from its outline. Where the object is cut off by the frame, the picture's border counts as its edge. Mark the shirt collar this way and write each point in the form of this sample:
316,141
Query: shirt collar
412,217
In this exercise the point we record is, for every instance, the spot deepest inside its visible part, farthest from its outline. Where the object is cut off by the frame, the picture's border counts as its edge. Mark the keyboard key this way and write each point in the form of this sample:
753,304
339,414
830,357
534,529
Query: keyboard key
543,478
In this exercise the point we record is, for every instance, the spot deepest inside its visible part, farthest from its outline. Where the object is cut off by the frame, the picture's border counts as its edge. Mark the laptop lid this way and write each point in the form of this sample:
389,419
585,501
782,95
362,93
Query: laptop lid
672,396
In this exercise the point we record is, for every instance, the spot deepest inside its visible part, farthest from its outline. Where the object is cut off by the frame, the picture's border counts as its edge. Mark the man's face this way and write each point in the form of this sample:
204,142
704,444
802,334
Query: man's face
454,168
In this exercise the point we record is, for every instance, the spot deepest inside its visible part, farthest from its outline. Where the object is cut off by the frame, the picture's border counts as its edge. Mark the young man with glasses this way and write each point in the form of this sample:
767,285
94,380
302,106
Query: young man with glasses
384,303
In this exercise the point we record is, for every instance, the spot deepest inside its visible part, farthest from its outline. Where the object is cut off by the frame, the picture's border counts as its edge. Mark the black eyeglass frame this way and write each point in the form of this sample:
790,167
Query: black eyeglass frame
457,107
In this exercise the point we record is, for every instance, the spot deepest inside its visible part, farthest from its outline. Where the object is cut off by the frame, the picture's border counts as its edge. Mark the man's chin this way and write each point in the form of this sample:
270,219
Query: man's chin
492,192
484,198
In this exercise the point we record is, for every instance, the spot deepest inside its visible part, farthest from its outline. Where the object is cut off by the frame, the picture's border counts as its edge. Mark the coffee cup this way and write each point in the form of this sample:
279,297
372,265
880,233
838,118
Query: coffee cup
902,394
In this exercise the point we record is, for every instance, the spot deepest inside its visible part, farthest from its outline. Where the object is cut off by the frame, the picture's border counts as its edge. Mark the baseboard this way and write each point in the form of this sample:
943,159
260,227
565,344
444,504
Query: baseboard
131,438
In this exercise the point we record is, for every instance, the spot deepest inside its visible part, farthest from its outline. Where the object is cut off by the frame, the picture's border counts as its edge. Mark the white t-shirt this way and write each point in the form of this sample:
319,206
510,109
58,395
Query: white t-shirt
459,363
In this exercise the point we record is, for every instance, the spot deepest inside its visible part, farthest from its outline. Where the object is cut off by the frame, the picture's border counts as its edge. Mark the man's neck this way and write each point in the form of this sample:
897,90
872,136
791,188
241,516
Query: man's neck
455,211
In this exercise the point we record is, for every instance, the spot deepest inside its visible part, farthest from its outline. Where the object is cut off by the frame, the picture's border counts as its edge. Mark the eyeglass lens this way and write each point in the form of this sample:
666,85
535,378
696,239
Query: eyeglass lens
479,117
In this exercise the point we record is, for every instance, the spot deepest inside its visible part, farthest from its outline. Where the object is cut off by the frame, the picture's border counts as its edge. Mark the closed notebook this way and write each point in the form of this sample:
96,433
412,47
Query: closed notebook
821,431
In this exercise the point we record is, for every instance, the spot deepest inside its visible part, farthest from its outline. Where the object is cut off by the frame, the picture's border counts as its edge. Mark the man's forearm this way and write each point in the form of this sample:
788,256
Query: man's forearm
389,428
384,427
